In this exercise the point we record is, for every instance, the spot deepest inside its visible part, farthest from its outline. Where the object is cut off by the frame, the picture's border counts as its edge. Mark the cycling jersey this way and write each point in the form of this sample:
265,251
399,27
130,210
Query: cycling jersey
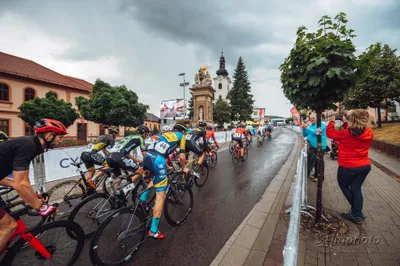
196,141
100,143
17,154
167,143
127,144
210,134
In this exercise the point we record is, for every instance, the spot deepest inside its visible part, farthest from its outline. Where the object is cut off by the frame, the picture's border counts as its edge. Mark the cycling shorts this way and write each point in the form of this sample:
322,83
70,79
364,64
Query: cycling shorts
195,146
90,159
157,165
240,141
116,162
269,129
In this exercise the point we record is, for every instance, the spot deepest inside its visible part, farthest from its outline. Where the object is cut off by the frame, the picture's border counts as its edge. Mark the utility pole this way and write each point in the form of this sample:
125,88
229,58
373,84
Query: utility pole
183,85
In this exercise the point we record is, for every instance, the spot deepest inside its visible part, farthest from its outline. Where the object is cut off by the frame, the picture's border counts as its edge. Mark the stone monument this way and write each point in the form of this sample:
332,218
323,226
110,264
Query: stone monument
203,96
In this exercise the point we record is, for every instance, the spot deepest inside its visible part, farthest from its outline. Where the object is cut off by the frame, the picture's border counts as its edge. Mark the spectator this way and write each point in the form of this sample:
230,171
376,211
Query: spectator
310,131
354,164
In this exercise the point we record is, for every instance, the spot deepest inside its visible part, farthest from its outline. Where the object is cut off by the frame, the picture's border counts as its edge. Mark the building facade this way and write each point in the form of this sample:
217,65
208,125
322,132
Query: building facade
22,80
222,82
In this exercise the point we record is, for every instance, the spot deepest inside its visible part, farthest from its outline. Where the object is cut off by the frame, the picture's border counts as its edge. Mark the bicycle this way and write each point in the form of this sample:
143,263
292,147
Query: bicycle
260,140
76,190
236,154
39,252
212,157
137,223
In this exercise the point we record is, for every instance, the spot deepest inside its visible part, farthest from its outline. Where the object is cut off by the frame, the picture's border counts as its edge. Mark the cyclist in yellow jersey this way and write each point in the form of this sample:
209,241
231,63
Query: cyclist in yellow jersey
155,162
90,155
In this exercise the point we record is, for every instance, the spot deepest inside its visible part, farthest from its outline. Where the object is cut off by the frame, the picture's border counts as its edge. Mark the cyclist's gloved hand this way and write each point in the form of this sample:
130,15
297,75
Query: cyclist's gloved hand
46,209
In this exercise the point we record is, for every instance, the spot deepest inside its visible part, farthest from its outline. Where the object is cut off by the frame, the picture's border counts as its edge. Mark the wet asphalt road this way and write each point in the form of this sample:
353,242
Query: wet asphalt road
219,207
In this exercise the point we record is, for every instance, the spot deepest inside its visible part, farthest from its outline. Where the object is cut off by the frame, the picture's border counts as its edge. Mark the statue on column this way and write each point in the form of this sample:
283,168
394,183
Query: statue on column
202,77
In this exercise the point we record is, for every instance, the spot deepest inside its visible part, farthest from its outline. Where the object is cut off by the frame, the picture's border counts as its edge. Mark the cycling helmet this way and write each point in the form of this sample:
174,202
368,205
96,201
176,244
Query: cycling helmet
166,128
209,127
202,124
113,129
3,136
49,125
241,125
180,127
142,129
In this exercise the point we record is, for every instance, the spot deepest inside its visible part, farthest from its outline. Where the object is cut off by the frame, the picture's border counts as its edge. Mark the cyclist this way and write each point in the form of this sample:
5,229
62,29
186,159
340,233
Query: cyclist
269,129
91,156
155,162
120,157
3,136
210,134
239,134
16,156
196,141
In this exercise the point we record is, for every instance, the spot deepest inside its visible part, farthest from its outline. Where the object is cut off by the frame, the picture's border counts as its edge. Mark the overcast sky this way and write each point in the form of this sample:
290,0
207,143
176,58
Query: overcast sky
145,44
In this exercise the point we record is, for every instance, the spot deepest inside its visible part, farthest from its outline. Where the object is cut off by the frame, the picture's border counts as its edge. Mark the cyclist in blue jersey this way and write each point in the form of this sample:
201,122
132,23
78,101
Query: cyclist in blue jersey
155,162
269,129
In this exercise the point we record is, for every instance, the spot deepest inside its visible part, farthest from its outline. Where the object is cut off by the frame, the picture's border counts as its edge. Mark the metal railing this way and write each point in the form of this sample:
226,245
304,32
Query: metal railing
300,205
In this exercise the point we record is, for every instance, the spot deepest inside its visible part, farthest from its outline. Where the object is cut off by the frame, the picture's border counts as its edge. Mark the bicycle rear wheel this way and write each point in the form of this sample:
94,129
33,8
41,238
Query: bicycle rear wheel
67,234
176,211
236,157
129,226
213,159
67,195
203,171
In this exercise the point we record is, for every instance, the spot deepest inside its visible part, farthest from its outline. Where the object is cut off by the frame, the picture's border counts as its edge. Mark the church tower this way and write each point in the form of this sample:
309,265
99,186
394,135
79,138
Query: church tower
222,83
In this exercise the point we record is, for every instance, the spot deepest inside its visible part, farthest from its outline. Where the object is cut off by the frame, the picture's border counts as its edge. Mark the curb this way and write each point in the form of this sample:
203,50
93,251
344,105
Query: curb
249,244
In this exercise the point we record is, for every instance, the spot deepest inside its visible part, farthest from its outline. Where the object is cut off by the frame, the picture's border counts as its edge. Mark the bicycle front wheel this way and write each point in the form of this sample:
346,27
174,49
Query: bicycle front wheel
213,159
118,238
92,211
178,203
67,195
203,171
64,240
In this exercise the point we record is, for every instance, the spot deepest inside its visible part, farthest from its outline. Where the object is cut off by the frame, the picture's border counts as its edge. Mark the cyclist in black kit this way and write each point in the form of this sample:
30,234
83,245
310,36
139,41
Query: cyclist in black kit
196,141
15,157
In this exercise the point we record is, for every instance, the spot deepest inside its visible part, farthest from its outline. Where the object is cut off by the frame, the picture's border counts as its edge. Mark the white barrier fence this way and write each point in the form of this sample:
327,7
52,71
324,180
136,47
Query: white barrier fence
57,162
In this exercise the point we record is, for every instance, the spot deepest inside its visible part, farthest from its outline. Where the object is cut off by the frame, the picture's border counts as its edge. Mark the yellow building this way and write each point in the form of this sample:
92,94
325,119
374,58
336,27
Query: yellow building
22,80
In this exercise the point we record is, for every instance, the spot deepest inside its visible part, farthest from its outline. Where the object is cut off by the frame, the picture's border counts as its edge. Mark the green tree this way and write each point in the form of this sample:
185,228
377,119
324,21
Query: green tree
221,113
191,107
379,80
48,107
318,73
112,105
240,96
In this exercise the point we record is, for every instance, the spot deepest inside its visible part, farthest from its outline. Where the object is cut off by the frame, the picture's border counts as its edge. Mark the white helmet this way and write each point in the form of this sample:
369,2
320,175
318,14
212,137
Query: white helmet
166,128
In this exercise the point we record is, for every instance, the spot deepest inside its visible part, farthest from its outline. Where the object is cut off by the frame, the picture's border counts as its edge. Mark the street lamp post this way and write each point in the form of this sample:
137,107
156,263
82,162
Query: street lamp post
184,84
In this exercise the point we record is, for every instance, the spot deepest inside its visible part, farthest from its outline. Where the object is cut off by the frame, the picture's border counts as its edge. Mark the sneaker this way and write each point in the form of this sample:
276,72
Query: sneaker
242,158
158,235
351,218
91,183
196,174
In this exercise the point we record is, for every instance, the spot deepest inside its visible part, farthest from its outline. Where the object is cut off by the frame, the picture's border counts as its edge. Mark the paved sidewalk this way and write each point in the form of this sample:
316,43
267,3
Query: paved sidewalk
260,238
249,244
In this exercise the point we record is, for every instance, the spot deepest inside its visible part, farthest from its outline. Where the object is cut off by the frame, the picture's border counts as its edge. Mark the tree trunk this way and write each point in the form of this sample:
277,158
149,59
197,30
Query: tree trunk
379,116
320,167
386,110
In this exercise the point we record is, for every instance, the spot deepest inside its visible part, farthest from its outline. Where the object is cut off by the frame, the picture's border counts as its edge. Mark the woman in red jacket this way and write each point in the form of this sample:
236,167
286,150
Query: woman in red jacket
354,164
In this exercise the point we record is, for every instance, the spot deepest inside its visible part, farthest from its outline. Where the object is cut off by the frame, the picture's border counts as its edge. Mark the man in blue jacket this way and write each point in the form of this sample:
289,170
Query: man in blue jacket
310,131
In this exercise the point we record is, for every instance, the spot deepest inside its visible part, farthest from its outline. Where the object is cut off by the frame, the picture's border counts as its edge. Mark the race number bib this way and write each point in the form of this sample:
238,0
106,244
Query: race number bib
161,147
189,136
89,147
237,135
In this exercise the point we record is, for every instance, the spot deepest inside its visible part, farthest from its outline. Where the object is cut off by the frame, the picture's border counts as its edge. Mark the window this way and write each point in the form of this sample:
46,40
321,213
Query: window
29,131
4,92
4,126
29,94
102,130
220,97
220,86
